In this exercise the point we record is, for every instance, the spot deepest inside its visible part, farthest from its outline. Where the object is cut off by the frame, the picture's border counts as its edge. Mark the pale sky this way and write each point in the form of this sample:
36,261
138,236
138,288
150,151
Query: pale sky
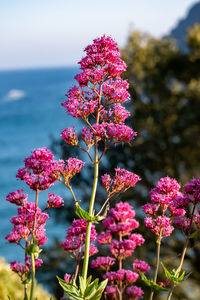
50,33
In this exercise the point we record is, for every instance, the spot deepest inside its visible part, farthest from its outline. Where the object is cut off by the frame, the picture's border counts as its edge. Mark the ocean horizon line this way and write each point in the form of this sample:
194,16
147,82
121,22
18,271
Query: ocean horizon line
38,68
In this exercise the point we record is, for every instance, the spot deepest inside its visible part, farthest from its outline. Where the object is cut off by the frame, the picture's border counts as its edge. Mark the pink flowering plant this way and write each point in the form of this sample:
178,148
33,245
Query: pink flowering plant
121,242
98,99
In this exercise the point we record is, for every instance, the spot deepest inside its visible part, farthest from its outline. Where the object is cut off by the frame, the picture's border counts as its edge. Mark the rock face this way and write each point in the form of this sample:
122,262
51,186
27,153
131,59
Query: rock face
180,31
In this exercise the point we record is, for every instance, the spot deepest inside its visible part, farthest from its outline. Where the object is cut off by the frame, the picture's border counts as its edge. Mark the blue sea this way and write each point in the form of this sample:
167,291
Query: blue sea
30,115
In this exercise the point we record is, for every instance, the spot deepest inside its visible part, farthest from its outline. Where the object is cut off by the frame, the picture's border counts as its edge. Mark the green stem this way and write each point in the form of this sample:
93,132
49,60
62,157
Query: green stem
25,285
157,264
33,276
183,254
87,240
35,216
120,267
32,255
93,195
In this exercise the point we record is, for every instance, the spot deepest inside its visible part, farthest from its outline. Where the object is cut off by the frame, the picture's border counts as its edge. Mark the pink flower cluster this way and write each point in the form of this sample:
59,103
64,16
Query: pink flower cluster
127,276
99,65
98,95
134,292
38,169
21,269
190,198
120,225
170,202
75,238
17,197
70,136
103,263
140,265
23,225
29,224
164,197
122,181
54,201
192,191
68,170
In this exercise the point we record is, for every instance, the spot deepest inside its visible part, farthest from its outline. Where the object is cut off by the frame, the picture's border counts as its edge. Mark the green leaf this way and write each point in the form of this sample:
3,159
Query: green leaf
193,235
91,289
167,273
90,292
97,296
9,298
82,285
97,219
96,292
102,285
152,284
180,278
174,272
81,213
70,289
88,280
184,277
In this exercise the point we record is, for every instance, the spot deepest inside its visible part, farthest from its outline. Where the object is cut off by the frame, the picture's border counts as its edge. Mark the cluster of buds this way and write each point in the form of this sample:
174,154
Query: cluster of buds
67,170
163,207
121,242
122,181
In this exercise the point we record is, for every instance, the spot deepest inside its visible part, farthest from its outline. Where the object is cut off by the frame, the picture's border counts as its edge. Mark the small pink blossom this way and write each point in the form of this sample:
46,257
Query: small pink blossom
88,136
18,268
54,201
134,292
137,238
122,212
75,237
140,265
17,197
70,136
111,291
122,249
104,238
192,190
182,223
159,225
115,91
122,181
120,114
150,209
102,263
197,220
67,277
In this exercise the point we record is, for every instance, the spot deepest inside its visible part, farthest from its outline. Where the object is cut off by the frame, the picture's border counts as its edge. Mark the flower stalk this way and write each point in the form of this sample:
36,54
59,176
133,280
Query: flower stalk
183,253
91,208
157,264
33,277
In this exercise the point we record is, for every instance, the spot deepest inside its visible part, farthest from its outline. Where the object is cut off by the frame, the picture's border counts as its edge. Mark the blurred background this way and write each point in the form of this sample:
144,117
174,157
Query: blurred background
41,44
